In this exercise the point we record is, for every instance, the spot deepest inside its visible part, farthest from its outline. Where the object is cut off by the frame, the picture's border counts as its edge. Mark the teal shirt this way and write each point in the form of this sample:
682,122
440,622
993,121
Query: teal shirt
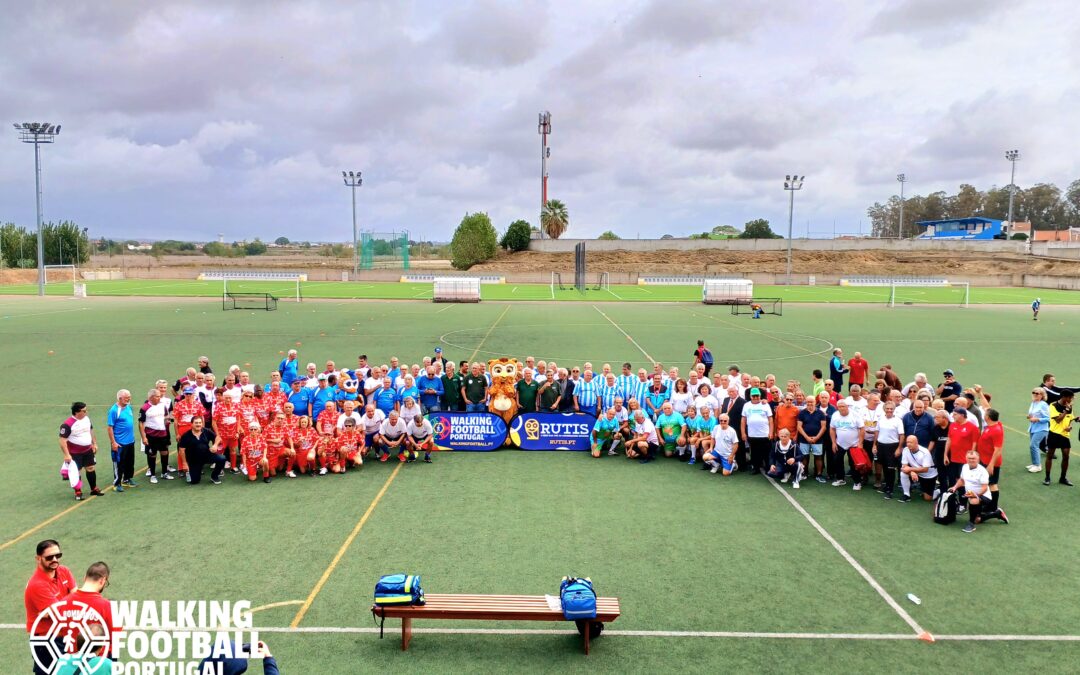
706,426
670,426
605,428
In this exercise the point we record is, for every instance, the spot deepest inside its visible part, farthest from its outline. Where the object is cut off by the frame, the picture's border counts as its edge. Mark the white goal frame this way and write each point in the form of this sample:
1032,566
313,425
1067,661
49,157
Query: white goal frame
226,277
964,304
73,268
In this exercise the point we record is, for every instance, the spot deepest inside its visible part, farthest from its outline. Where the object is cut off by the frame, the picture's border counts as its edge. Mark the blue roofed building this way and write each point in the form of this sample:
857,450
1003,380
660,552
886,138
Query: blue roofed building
961,228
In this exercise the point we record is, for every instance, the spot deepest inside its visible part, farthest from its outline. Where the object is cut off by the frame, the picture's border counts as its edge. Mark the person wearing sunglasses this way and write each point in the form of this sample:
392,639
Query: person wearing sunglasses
49,583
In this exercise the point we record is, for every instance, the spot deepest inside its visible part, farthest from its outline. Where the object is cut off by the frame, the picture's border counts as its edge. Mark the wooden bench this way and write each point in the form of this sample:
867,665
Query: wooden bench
494,608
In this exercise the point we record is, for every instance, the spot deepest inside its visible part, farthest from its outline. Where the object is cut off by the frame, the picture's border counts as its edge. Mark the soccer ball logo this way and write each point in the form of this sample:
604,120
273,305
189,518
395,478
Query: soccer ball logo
77,633
442,427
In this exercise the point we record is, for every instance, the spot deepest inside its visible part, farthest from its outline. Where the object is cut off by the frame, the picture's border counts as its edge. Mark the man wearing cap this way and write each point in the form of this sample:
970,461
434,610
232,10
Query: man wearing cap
288,367
431,390
300,397
949,390
757,429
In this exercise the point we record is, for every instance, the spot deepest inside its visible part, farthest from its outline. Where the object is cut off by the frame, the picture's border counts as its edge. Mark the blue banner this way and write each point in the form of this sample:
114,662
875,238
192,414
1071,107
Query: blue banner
552,431
475,431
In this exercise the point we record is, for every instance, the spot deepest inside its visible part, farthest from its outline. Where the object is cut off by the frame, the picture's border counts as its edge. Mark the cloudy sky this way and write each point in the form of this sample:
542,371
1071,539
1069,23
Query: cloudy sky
186,119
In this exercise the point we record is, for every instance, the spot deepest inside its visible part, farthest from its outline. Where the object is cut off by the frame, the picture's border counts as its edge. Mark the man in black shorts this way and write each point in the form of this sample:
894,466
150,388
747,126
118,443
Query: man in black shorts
201,448
1061,419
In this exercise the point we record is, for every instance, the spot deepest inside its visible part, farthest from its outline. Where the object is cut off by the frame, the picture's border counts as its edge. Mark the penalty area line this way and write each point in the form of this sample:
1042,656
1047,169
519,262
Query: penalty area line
619,328
920,632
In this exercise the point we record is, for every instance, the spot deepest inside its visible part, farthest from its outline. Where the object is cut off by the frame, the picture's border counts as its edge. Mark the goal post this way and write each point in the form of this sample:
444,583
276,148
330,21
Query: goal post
60,274
954,293
295,278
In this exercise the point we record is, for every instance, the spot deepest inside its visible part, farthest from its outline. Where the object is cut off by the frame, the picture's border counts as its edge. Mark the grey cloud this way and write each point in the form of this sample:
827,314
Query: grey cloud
934,16
492,34
687,23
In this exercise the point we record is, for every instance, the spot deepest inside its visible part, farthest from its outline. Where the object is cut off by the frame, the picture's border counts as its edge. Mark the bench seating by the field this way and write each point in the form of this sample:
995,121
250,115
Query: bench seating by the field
492,608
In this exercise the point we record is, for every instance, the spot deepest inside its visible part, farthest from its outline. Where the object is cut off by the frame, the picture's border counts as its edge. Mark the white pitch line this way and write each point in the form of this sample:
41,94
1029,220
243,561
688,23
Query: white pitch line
920,632
907,637
632,340
57,311
444,309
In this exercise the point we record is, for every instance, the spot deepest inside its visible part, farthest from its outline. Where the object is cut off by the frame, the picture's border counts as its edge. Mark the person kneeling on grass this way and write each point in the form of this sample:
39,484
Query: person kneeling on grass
785,460
605,433
305,443
421,436
672,428
975,482
350,446
643,445
391,437
253,449
725,442
917,464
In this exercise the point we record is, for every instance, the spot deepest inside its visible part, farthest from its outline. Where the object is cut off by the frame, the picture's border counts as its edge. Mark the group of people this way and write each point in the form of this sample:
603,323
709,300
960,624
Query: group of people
312,421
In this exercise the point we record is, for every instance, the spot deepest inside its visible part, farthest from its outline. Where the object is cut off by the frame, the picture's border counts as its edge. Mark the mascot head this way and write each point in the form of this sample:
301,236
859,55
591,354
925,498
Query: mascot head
503,370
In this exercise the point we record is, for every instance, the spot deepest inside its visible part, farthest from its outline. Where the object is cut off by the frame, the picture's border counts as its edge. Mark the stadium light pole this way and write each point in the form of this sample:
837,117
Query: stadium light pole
791,184
1012,156
38,133
353,180
543,128
902,178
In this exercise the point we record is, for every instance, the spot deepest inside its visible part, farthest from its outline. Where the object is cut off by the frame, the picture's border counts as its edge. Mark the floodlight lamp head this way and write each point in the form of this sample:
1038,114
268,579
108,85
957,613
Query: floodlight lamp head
1012,155
343,174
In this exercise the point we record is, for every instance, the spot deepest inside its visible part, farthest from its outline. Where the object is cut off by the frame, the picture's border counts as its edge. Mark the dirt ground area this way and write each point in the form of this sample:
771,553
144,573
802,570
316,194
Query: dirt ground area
803,262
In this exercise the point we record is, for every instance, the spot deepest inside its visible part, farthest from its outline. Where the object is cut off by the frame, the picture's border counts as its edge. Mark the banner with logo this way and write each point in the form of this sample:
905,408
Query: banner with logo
471,431
552,431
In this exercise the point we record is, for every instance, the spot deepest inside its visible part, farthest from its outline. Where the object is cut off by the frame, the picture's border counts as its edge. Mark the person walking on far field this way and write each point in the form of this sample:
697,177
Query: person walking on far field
703,356
1035,309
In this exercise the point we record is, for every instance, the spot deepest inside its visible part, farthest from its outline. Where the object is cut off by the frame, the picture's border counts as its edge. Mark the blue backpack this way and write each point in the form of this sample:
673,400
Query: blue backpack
706,356
399,589
578,598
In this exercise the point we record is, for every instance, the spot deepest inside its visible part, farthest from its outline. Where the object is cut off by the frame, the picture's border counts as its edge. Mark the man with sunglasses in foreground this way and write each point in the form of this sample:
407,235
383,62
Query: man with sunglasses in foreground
49,583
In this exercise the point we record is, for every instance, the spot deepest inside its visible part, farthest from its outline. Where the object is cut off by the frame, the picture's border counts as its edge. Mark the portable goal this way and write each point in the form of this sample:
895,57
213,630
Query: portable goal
774,306
264,301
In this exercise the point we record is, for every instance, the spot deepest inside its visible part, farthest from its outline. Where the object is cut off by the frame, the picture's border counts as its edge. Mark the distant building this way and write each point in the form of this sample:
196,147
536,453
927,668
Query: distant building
961,228
1070,234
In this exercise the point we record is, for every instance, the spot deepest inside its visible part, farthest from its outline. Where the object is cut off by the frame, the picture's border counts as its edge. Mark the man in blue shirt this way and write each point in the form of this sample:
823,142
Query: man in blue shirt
431,390
320,396
387,399
300,397
287,368
121,422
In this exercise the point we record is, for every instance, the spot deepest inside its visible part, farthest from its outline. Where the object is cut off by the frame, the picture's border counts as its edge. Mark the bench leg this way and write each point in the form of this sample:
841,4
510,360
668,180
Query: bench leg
588,632
406,633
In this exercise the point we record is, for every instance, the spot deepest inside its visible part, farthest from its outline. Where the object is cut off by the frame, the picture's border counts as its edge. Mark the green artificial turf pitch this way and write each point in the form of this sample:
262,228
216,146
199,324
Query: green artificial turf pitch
684,550
373,290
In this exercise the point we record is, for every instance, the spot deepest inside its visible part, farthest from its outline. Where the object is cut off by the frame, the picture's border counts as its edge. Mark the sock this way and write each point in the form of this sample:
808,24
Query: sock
905,484
291,463
427,455
91,477
973,512
994,500
164,462
151,463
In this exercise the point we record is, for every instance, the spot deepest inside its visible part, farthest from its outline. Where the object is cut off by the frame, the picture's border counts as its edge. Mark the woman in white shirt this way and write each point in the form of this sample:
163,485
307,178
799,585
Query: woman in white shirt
705,399
886,449
681,398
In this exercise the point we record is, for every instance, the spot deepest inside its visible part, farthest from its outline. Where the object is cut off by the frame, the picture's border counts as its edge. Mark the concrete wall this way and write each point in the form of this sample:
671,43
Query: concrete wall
1056,249
567,245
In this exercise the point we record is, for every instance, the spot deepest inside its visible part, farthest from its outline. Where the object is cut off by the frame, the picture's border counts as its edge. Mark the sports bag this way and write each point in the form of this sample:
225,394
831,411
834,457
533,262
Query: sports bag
578,598
945,508
860,460
399,589
706,356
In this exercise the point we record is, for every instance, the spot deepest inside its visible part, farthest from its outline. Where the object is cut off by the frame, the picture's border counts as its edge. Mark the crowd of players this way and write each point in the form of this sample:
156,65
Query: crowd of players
931,438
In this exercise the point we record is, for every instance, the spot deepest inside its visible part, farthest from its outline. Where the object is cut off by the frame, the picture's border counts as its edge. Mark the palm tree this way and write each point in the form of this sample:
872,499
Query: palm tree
554,218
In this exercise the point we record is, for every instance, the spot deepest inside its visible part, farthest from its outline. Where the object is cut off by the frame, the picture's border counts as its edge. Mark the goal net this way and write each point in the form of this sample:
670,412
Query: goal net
264,301
774,306
283,284
60,274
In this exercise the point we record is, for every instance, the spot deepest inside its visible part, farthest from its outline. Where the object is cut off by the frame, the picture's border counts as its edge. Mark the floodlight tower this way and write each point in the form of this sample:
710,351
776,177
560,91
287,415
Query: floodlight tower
353,180
543,128
38,133
791,184
902,178
1013,156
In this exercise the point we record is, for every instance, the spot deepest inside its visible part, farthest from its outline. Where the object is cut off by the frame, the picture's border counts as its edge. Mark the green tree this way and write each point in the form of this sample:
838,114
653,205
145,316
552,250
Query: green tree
255,247
609,235
474,241
758,229
219,250
282,241
1019,236
726,230
554,218
517,236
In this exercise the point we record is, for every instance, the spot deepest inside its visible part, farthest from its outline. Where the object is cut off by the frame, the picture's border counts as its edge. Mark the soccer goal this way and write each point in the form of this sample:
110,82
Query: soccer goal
456,289
774,306
265,301
602,283
239,279
60,274
957,294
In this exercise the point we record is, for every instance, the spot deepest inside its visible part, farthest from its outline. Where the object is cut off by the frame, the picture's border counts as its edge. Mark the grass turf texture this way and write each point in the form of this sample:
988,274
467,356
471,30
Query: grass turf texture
683,549
952,295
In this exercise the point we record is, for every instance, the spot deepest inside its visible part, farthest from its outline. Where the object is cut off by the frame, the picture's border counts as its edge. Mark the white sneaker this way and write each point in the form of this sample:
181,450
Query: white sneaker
153,479
167,476
1034,469
795,485
839,482
784,479
149,473
243,468
611,452
716,467
322,471
291,474
856,487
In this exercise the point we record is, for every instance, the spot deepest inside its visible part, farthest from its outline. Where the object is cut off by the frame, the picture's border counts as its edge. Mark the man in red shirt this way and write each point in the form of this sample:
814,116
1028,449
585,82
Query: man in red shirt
90,594
963,436
857,370
49,583
990,446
